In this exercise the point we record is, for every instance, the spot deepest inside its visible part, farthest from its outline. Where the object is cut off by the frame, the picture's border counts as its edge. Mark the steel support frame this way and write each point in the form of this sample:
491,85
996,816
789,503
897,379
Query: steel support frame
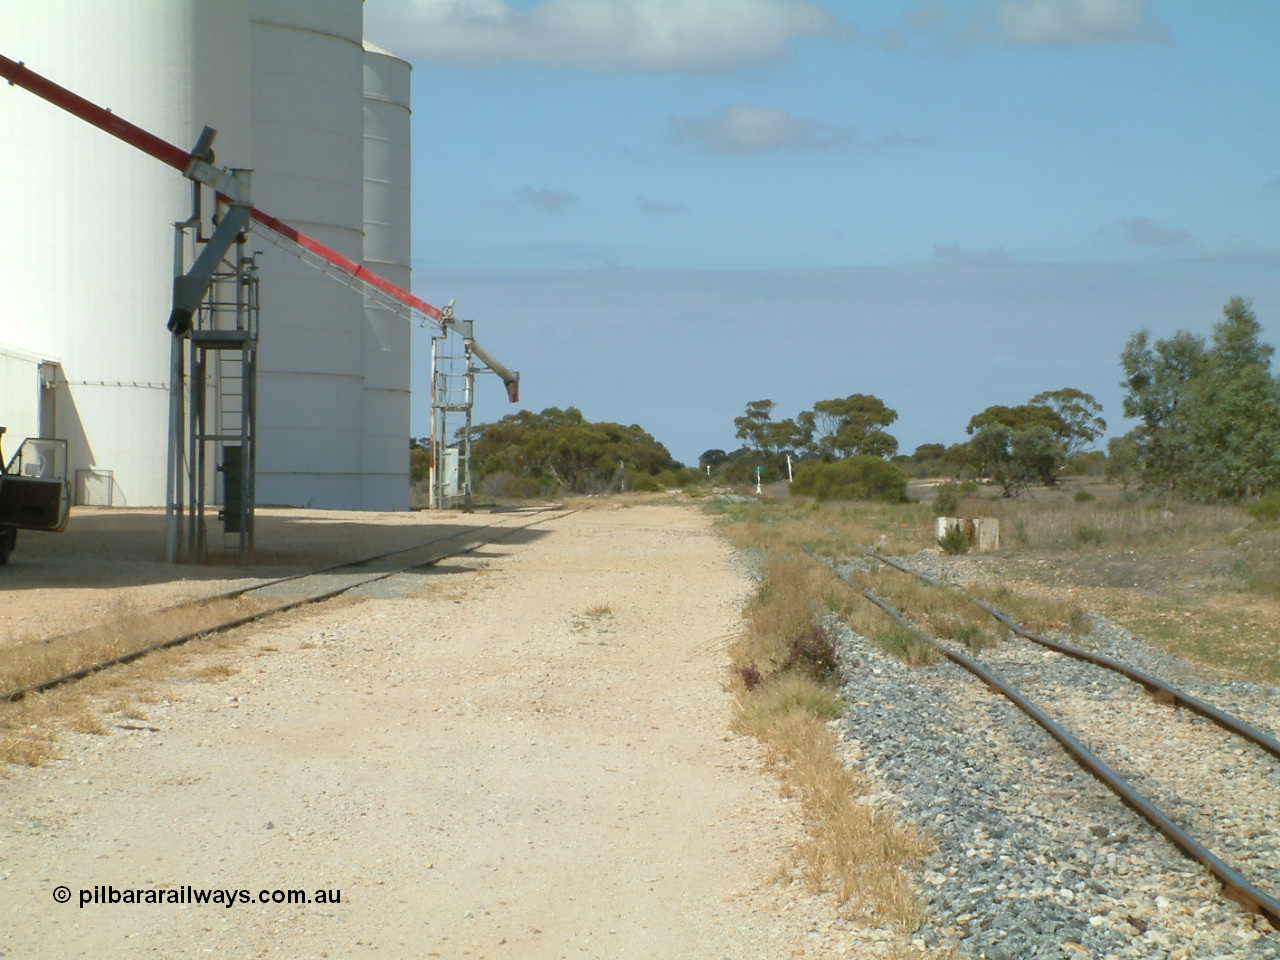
189,480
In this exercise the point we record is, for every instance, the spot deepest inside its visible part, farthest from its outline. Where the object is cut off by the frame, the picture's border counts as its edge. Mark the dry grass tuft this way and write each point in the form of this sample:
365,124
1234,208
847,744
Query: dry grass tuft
780,618
30,727
27,736
1036,613
855,849
28,749
214,671
784,673
86,722
906,646
125,630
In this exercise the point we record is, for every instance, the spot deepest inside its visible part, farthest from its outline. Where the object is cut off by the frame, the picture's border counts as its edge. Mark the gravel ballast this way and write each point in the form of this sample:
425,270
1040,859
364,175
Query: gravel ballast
1035,858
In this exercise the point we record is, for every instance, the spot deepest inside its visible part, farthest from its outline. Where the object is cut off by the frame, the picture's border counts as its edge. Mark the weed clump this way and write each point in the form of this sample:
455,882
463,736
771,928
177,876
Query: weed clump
948,500
1266,509
784,676
906,646
813,654
1086,535
954,542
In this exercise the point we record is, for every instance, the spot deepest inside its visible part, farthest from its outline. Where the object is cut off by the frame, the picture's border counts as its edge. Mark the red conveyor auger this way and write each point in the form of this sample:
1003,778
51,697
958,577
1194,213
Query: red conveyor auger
196,167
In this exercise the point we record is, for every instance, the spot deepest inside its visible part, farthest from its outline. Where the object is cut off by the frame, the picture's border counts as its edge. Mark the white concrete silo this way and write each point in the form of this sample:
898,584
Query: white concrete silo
308,131
388,252
85,282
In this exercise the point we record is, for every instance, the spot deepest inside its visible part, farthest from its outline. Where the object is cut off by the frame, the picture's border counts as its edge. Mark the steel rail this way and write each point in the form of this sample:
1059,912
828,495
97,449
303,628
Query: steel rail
259,615
1235,886
241,591
1151,683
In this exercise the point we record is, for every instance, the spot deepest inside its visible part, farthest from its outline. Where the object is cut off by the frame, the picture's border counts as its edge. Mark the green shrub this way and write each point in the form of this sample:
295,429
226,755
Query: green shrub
667,478
969,488
1087,535
859,477
948,500
975,638
954,542
520,488
1083,496
647,483
1267,508
689,477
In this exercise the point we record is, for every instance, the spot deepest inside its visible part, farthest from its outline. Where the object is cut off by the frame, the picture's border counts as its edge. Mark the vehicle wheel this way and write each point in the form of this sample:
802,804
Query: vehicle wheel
8,538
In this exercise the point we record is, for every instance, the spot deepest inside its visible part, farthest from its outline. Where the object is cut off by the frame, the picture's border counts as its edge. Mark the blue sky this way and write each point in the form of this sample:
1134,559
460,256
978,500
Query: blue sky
659,210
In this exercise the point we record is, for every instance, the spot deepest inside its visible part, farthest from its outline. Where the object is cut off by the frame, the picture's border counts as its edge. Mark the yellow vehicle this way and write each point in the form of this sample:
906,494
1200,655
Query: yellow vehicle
34,493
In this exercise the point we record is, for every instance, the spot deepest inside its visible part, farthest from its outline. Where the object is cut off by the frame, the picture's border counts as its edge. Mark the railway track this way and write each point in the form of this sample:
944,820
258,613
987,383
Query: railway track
301,589
1235,885
1158,688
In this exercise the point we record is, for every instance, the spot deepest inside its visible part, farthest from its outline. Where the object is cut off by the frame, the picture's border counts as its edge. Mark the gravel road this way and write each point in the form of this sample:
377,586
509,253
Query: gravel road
524,753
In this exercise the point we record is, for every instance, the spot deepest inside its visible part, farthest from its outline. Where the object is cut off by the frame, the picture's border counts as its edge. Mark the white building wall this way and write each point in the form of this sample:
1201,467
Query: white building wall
387,252
19,399
87,279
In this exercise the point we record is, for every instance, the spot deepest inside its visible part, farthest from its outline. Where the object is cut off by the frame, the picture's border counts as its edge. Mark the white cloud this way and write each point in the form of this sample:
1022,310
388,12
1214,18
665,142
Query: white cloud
657,208
553,201
1056,22
1035,22
744,128
928,15
627,35
1146,233
954,253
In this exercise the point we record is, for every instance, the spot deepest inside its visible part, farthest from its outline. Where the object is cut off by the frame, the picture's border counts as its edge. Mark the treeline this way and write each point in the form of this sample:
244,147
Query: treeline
1033,442
840,449
842,446
1208,412
1208,417
558,451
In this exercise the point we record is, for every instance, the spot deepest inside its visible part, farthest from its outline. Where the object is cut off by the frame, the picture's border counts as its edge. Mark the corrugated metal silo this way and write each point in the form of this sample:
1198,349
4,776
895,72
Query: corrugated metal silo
19,398
308,99
86,281
387,251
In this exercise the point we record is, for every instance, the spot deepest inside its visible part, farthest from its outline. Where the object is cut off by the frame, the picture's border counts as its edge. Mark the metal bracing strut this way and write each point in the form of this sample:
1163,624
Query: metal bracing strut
446,460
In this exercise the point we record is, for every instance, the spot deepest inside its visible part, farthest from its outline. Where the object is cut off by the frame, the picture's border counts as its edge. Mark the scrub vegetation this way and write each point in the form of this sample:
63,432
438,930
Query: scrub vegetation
1201,581
784,679
558,452
1208,428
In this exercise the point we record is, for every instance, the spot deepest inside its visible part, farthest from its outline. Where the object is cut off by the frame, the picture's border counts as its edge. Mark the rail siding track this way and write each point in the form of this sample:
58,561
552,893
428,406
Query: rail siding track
307,597
1153,684
1235,886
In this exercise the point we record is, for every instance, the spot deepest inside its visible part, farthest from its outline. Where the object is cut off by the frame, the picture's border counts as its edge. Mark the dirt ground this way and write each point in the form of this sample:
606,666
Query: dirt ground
110,561
525,754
